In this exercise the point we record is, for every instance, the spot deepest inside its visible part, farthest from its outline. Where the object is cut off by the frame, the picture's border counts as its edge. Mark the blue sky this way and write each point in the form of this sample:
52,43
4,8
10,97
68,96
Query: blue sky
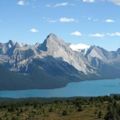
94,22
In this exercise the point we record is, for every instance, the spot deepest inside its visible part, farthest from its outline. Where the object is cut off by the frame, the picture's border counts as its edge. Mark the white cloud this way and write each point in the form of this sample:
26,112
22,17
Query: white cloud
109,21
92,19
76,33
61,20
114,34
79,47
99,35
21,2
49,20
66,20
34,30
116,2
63,4
52,21
89,1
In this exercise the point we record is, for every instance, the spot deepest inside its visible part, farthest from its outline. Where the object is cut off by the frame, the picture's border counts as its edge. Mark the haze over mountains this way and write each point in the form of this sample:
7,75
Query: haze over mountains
54,64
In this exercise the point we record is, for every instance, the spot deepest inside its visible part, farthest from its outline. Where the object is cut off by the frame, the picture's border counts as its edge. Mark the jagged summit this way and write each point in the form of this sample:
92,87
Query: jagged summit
52,42
52,36
118,50
10,43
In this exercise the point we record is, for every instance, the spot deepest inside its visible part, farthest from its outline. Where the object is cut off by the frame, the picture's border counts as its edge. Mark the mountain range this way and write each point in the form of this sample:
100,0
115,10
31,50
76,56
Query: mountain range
54,64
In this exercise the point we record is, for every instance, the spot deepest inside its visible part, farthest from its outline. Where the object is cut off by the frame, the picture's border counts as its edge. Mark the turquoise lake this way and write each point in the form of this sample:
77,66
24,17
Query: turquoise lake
84,88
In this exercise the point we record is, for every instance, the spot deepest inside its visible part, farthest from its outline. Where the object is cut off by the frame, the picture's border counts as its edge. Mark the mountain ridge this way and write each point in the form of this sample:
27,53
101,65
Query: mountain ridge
54,64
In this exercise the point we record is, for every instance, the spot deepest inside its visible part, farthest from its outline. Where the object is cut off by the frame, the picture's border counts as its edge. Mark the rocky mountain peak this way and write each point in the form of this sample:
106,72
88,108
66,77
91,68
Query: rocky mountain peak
10,44
52,42
52,36
17,45
118,50
53,39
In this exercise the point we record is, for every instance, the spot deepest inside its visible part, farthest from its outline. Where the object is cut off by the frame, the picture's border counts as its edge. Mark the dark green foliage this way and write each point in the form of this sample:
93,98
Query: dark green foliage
113,110
109,116
100,108
99,114
79,108
50,109
64,113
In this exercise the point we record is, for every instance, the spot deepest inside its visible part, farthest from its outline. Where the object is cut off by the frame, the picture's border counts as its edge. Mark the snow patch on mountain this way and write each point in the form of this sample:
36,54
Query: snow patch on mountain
79,47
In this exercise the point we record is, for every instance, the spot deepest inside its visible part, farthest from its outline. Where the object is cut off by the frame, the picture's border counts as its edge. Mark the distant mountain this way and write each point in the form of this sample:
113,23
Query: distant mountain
54,64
